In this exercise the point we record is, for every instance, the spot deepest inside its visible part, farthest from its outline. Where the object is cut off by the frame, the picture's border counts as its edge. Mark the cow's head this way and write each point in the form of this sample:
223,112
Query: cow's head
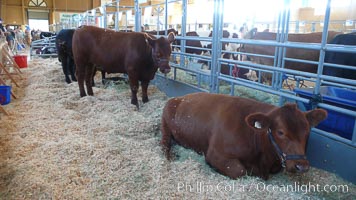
288,130
161,51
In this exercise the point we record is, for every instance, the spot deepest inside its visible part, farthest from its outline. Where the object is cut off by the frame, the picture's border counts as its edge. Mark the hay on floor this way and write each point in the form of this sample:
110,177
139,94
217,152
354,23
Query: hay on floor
56,145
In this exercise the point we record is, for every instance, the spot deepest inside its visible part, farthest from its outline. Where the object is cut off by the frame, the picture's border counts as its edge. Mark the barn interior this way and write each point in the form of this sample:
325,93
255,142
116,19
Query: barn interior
56,145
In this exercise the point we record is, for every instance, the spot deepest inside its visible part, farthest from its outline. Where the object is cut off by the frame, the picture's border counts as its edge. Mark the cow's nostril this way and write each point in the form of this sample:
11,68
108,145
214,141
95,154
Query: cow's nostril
302,168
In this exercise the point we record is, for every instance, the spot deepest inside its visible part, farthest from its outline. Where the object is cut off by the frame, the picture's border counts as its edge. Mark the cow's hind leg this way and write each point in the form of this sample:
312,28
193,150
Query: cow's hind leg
80,71
71,66
134,89
166,141
65,66
144,85
227,166
89,78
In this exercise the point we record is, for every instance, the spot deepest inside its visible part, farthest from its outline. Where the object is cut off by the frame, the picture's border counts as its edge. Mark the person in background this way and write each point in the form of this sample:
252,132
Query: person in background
2,29
28,35
20,37
10,35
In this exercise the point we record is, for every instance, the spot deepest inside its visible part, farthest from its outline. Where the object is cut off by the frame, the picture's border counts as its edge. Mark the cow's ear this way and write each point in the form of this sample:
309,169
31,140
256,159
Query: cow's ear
151,40
258,121
314,117
171,37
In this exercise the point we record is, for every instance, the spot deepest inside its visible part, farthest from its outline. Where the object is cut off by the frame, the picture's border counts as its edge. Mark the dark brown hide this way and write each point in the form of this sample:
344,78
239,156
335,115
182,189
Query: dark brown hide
231,132
191,43
65,55
295,53
137,54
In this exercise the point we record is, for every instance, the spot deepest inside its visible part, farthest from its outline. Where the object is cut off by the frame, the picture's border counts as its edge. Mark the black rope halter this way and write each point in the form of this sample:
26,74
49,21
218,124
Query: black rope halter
284,157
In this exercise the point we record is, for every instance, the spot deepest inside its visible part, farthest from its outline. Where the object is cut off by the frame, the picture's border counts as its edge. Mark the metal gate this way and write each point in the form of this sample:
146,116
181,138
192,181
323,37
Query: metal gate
335,94
204,71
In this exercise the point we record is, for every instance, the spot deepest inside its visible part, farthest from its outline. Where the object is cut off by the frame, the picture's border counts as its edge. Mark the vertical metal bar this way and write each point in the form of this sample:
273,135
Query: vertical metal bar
183,31
105,17
166,17
137,17
280,50
216,44
297,26
117,16
322,49
284,49
313,27
354,133
157,25
277,49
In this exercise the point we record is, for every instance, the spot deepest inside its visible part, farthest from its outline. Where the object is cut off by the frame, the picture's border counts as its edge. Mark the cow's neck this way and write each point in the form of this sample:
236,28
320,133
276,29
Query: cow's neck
155,59
271,159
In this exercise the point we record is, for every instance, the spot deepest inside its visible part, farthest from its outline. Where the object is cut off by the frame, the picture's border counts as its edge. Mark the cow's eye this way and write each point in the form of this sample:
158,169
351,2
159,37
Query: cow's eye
280,133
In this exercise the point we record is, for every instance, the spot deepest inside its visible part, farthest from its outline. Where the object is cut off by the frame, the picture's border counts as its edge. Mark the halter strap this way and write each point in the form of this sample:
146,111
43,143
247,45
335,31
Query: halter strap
157,60
284,157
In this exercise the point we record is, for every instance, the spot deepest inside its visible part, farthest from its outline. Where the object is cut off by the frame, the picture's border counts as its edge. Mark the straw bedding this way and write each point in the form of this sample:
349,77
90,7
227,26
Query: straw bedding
56,145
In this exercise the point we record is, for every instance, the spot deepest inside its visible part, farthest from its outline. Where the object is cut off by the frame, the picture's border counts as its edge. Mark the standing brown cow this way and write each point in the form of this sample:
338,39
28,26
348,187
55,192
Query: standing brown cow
137,54
240,136
295,53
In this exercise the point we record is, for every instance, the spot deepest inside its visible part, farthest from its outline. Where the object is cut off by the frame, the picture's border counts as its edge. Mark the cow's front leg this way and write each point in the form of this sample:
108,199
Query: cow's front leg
134,89
230,167
144,85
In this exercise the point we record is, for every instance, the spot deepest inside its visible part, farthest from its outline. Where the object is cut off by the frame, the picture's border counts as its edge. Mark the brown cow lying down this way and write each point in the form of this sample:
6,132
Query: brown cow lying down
137,54
240,136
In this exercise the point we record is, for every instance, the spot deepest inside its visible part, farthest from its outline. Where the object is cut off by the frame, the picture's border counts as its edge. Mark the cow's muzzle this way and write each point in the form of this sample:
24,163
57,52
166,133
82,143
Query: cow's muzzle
284,157
164,65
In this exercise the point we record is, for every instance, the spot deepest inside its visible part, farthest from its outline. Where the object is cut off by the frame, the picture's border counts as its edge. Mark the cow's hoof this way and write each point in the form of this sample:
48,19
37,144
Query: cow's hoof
135,102
144,99
83,95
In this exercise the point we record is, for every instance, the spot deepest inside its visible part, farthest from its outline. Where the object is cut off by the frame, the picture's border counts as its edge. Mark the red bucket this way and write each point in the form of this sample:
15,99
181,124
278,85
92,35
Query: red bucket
21,60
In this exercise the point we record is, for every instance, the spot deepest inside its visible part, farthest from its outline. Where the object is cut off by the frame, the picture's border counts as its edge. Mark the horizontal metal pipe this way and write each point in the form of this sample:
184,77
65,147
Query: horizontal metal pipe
267,67
340,66
301,61
191,55
157,4
194,38
262,88
302,45
333,137
338,109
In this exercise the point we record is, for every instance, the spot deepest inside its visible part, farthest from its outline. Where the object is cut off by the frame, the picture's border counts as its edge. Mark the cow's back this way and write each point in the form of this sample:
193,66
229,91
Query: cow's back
64,41
341,58
114,51
196,119
296,53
